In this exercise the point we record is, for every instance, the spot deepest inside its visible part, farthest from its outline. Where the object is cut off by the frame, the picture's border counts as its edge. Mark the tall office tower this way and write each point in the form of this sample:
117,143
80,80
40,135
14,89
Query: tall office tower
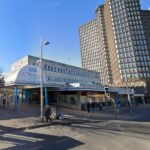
118,44
90,46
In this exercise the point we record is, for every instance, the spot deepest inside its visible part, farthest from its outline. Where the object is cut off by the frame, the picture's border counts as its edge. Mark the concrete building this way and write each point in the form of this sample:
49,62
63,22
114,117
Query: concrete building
121,53
66,84
60,74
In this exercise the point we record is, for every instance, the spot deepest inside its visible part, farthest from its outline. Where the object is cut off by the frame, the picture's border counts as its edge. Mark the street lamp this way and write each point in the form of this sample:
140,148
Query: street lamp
42,44
128,94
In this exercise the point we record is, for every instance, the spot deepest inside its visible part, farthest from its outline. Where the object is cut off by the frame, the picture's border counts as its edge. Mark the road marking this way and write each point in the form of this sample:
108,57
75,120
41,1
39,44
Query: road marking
60,141
79,135
21,137
13,143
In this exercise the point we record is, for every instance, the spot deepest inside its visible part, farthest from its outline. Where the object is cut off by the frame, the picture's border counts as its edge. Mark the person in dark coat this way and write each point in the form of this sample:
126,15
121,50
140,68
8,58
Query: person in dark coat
100,106
93,105
48,114
88,106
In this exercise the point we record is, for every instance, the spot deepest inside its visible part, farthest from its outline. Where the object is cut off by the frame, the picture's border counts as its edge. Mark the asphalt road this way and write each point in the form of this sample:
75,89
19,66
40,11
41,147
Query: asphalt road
79,135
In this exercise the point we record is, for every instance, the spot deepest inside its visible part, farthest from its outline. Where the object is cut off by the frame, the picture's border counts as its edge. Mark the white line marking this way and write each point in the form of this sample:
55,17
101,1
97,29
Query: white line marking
60,141
21,137
79,135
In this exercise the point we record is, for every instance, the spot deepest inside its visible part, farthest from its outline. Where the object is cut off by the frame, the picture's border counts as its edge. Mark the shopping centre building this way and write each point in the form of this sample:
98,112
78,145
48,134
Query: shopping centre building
64,84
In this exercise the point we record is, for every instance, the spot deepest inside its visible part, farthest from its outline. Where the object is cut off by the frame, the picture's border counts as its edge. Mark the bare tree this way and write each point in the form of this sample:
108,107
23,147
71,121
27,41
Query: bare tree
1,71
1,77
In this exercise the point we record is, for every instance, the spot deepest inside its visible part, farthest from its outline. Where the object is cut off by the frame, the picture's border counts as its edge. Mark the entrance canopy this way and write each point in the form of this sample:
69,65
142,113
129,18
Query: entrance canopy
27,75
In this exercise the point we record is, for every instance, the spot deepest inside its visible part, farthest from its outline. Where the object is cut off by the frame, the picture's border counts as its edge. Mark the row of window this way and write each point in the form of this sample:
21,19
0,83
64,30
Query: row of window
131,15
64,80
87,50
136,45
121,21
91,42
142,75
128,10
122,34
139,42
134,70
135,53
134,59
141,48
87,61
91,53
87,39
122,27
68,71
116,3
91,27
136,32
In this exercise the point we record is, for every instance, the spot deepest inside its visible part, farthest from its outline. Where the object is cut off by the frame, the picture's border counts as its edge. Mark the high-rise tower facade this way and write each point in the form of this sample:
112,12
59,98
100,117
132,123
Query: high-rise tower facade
121,51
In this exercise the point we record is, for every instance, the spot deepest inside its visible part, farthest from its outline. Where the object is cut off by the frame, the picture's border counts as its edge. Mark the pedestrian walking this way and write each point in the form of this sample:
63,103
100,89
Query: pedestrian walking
88,104
48,114
88,107
93,105
100,106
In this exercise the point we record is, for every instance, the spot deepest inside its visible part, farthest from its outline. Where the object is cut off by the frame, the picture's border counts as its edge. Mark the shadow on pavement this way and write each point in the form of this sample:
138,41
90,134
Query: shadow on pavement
26,140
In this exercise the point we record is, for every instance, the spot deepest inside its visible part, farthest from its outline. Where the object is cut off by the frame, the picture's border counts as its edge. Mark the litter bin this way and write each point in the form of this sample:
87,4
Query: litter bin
59,113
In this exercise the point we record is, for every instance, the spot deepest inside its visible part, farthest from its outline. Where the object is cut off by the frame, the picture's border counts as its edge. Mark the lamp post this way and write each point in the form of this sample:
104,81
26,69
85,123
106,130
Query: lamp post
128,94
42,44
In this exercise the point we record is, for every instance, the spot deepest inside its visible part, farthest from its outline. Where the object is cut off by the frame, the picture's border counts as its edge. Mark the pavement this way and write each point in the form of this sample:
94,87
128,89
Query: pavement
27,116
138,113
23,129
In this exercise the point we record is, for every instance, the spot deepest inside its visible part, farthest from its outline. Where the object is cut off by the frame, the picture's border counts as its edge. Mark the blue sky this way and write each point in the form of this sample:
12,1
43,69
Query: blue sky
23,22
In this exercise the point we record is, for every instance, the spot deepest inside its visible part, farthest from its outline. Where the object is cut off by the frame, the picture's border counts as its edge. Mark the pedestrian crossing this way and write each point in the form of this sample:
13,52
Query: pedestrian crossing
13,140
